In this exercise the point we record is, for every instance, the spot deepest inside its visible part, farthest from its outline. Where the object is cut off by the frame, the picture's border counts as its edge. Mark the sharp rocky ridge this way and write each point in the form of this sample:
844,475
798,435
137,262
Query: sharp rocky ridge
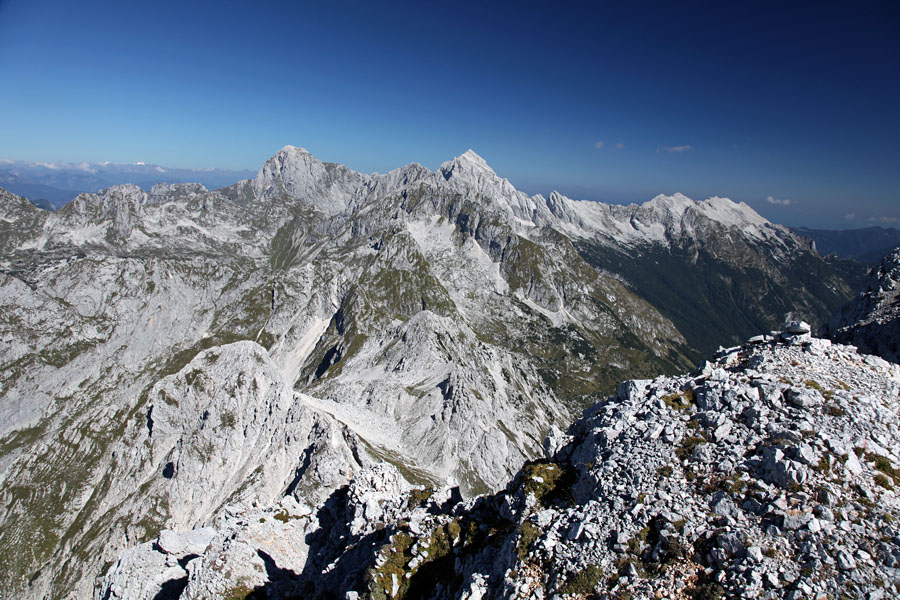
174,354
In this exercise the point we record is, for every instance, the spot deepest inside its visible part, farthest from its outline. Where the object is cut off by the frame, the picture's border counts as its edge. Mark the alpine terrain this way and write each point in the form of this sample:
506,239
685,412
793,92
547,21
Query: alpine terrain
184,367
769,473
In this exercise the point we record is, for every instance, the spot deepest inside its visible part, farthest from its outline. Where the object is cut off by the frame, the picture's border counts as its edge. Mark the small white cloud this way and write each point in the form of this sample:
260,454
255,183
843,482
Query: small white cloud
884,219
778,201
850,216
599,144
684,148
619,146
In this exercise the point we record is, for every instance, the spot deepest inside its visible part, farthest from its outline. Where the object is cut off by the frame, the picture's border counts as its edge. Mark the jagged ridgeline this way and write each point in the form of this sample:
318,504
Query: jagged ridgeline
172,353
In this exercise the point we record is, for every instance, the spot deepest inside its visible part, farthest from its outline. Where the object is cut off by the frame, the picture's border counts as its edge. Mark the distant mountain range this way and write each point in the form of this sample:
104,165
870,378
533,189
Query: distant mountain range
52,185
868,245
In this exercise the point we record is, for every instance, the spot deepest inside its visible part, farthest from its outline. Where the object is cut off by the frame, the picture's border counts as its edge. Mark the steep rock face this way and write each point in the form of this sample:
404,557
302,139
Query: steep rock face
86,339
770,473
228,419
716,268
19,219
298,174
871,322
225,429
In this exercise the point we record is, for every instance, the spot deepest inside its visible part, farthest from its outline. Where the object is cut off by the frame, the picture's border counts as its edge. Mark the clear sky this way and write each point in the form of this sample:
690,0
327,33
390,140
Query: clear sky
790,107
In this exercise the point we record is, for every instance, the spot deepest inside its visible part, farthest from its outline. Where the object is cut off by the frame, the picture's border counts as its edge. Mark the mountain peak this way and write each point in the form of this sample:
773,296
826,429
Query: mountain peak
723,210
729,212
675,200
472,157
288,149
299,175
468,162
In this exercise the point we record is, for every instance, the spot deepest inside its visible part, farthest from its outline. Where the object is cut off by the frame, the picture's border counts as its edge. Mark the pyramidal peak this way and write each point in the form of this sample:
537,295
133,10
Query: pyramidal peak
467,162
471,156
122,189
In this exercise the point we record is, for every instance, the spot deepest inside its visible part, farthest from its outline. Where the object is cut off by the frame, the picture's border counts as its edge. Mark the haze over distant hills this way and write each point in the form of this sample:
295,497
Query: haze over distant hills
52,185
868,245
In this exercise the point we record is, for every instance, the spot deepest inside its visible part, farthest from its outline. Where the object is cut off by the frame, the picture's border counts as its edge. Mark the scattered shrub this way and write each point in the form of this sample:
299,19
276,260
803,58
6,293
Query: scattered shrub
583,582
687,446
883,481
418,497
835,410
528,534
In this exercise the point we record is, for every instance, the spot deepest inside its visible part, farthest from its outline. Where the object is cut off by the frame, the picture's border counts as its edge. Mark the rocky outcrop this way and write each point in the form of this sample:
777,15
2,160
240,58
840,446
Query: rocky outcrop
871,322
770,473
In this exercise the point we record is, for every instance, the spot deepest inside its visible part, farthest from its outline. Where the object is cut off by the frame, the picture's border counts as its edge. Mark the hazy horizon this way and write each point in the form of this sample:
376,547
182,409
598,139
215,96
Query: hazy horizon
249,173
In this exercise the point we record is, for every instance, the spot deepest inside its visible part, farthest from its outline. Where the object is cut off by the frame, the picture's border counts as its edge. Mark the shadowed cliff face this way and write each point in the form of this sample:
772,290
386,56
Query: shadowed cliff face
871,321
441,322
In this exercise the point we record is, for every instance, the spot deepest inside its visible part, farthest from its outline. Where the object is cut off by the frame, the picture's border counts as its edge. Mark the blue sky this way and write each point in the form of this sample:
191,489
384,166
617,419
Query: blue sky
791,108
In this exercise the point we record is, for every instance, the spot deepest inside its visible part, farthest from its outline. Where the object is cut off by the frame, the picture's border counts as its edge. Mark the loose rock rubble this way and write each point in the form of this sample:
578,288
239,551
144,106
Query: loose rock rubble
770,473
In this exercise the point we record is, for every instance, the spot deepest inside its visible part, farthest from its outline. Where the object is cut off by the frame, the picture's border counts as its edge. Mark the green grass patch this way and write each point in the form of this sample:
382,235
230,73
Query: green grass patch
882,464
420,496
528,534
883,481
835,410
584,581
636,544
549,482
681,401
814,385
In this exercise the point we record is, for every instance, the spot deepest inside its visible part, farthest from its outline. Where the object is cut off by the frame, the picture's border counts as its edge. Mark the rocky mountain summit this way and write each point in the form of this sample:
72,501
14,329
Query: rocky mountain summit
772,472
169,354
871,322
